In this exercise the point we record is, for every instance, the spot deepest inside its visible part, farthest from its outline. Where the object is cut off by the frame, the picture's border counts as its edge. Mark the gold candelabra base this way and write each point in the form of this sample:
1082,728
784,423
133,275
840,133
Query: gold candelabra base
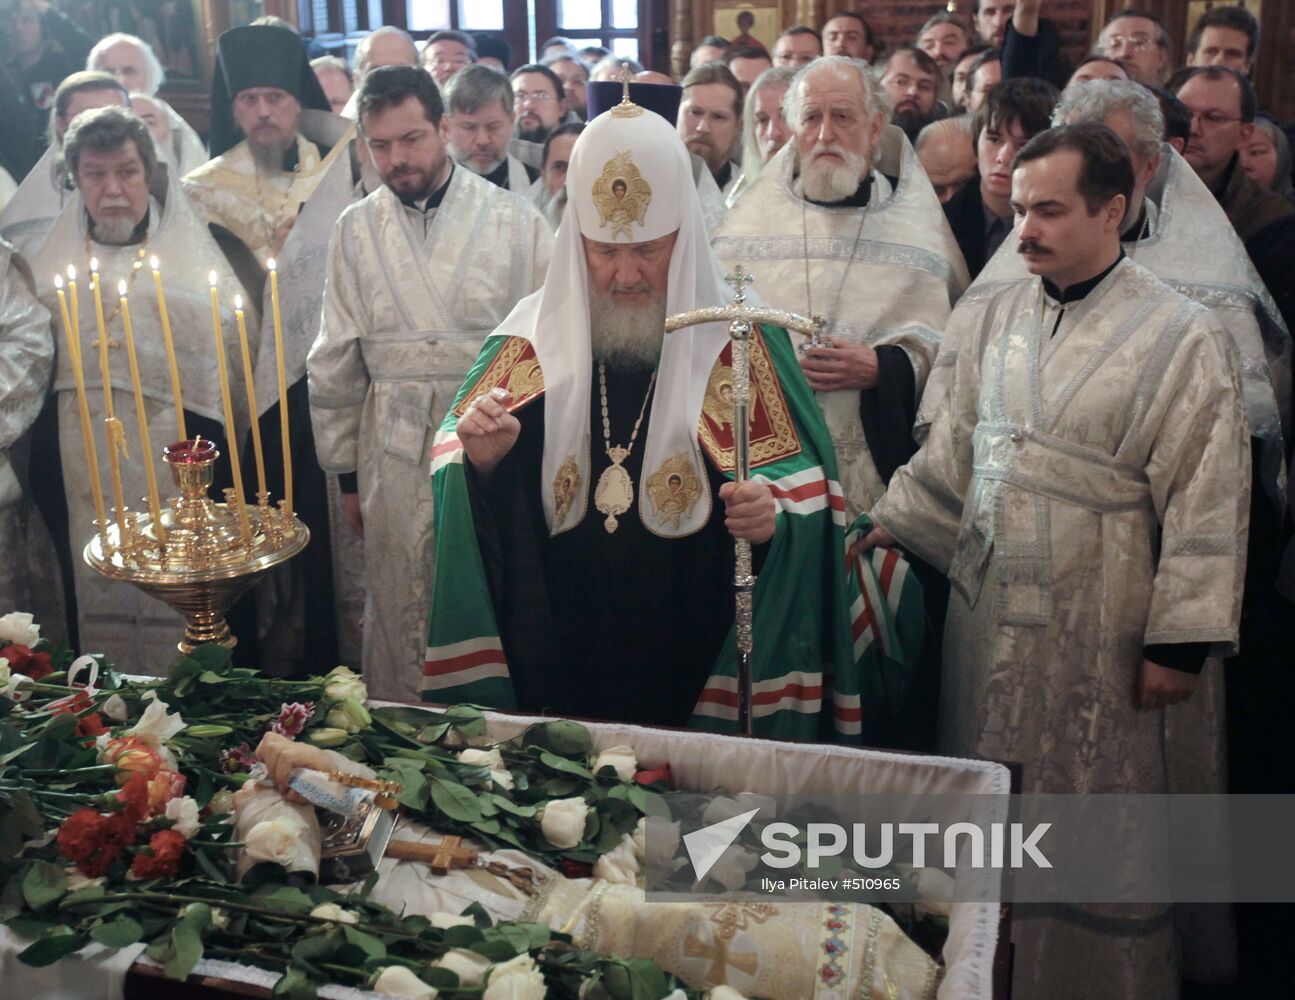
204,555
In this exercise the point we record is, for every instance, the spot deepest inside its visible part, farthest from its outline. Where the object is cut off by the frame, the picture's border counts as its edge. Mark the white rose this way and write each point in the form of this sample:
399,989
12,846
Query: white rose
563,822
331,911
115,708
219,918
661,844
397,981
504,779
17,627
731,869
935,891
516,979
620,865
724,993
221,802
343,682
620,759
491,758
184,813
272,840
467,965
444,921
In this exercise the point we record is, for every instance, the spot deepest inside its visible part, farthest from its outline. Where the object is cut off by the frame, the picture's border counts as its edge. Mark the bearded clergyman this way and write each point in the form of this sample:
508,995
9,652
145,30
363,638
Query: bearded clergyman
419,272
586,512
843,223
125,213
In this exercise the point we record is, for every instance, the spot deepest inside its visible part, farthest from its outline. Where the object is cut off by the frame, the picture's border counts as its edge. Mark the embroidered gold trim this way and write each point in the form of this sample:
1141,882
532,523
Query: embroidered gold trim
674,489
516,369
621,195
773,433
566,487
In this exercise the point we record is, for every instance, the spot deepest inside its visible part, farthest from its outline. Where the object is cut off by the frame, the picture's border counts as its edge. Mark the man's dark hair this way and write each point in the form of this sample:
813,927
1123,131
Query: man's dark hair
714,41
1236,18
105,130
450,35
545,72
744,52
1162,33
570,128
1177,115
388,86
988,56
801,29
975,49
1107,168
489,45
1249,99
924,62
475,87
716,73
1026,100
863,23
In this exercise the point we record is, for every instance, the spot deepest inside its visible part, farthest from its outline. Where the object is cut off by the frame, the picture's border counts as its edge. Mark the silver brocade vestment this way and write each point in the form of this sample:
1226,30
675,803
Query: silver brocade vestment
1088,494
138,633
26,360
404,317
897,284
1193,248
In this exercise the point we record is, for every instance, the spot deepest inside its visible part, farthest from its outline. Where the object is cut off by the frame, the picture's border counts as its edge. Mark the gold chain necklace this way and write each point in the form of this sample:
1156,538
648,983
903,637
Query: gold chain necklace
615,491
854,250
135,268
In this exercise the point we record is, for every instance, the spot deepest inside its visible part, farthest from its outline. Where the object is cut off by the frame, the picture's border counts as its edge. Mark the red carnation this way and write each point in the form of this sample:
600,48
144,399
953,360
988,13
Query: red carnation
162,859
23,661
88,725
134,797
575,869
94,840
650,776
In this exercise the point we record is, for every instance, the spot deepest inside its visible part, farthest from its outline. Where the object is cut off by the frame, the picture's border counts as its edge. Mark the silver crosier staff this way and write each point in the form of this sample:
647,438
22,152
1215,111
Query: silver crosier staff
742,320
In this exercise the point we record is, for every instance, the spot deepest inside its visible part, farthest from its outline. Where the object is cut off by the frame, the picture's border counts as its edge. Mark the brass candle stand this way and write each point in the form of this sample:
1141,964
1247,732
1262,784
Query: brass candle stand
206,553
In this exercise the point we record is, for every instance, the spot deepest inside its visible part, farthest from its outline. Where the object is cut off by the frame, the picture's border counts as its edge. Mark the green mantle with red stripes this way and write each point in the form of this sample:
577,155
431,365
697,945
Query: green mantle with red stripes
837,629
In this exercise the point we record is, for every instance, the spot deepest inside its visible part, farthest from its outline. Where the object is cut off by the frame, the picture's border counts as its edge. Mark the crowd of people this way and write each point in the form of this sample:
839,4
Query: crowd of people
1052,383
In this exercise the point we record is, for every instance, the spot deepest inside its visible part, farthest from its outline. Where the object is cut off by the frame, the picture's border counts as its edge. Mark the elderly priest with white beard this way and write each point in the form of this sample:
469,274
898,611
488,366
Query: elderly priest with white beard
585,508
126,213
843,223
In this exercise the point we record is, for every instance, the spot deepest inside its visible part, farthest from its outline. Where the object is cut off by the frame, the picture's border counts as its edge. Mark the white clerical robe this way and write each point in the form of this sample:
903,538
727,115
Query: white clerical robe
138,633
1190,245
233,192
888,273
32,208
1087,491
405,311
26,360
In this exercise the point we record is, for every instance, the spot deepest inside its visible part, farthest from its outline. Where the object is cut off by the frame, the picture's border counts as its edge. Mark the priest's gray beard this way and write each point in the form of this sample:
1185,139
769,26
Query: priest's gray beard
269,155
471,164
116,231
831,180
626,337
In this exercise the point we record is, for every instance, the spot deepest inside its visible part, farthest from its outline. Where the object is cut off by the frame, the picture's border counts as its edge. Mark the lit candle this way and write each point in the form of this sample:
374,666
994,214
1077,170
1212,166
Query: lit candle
231,432
283,388
170,348
154,504
87,430
111,424
76,312
251,397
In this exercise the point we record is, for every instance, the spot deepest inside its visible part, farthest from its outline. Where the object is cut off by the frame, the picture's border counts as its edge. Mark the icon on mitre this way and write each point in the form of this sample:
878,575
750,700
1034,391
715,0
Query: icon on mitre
621,195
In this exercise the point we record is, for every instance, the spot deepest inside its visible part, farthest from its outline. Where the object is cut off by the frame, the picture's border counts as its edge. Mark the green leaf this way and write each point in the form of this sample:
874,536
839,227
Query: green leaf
85,895
567,766
49,950
316,947
455,801
6,758
287,898
370,945
43,884
209,867
185,951
119,933
462,937
295,985
570,739
507,805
